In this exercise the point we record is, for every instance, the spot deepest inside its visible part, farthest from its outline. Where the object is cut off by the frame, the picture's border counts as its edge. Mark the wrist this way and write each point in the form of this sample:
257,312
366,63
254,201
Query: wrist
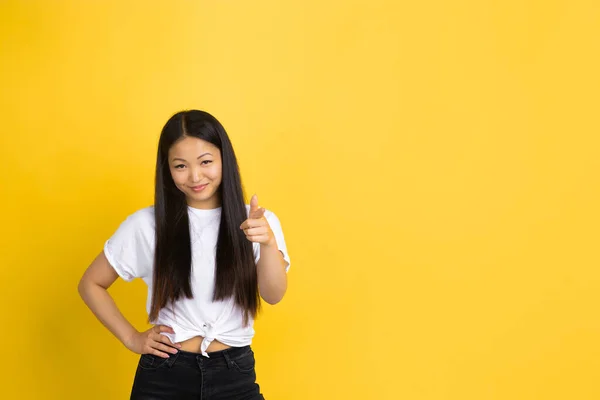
270,244
129,339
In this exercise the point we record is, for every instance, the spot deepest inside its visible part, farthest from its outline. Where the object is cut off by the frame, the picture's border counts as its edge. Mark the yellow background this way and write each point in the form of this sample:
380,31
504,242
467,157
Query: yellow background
434,165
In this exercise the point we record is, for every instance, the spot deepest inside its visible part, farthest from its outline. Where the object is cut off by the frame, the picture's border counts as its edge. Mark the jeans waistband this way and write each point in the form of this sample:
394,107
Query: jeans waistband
229,354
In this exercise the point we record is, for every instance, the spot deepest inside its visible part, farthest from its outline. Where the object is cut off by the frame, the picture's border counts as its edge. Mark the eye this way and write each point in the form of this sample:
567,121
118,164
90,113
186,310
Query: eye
180,166
206,162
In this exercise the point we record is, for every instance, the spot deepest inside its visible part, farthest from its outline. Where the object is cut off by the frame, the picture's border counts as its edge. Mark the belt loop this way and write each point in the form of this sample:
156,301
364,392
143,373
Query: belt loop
227,358
172,358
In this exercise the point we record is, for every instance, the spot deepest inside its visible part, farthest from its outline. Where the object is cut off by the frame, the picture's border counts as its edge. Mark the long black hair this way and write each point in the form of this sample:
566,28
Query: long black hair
235,267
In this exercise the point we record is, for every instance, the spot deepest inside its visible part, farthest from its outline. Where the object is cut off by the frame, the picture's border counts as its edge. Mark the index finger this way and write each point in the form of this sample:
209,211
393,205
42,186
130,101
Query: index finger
252,223
163,328
167,341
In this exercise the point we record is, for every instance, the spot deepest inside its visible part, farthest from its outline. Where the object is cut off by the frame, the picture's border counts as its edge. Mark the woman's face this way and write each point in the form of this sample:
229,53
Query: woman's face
196,169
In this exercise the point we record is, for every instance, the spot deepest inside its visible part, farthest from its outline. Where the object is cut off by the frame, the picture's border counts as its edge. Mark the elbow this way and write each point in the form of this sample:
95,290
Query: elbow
84,287
272,301
81,286
273,298
272,288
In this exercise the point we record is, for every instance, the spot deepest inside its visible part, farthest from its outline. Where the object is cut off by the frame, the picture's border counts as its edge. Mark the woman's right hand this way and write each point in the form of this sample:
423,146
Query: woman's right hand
152,342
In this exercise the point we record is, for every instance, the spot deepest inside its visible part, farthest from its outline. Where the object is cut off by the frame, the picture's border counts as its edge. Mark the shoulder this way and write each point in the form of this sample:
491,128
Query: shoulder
141,220
143,215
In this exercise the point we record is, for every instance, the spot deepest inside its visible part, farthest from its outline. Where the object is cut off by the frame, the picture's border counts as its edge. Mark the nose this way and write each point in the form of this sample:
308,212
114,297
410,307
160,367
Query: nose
196,174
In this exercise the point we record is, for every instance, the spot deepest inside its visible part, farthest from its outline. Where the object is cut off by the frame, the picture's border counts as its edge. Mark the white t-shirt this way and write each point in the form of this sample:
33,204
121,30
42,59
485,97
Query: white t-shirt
130,251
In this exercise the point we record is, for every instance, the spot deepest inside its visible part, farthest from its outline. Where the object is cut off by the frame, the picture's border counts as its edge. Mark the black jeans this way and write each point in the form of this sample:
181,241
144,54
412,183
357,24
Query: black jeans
227,374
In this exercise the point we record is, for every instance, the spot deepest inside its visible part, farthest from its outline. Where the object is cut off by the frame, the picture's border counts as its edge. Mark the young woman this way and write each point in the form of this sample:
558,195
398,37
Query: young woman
207,259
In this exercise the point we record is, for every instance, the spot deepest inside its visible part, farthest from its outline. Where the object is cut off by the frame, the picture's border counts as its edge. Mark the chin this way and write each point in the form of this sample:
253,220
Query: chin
201,196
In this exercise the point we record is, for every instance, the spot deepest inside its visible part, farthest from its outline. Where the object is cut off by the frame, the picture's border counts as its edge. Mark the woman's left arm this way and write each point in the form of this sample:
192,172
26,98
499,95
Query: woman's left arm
272,278
271,266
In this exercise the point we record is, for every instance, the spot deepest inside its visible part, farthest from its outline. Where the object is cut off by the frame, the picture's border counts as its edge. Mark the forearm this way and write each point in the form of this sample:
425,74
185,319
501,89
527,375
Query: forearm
105,309
272,278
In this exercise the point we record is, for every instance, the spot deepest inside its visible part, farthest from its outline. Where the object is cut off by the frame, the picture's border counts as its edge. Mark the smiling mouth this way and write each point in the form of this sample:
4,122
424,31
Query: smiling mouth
198,188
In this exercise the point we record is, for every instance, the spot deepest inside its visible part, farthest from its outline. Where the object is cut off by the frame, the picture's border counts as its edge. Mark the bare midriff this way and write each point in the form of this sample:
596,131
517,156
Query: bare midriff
193,345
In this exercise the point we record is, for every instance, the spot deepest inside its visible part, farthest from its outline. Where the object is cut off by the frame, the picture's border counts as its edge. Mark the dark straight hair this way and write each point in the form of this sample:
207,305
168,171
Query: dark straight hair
235,274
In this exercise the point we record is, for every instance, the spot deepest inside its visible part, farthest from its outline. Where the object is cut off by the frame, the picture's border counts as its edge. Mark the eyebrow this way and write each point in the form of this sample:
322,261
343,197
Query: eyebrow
199,157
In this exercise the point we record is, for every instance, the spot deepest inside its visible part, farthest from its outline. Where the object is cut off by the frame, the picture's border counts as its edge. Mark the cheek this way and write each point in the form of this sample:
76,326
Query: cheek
214,173
178,177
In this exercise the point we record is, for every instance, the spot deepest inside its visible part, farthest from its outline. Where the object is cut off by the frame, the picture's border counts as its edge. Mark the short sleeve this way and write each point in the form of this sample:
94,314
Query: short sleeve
279,238
130,250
